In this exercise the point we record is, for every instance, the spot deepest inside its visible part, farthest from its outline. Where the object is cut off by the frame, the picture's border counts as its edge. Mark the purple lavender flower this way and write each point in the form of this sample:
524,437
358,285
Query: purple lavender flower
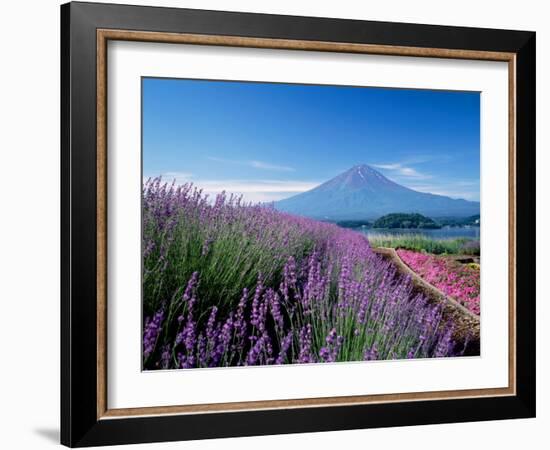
371,353
210,331
255,353
305,342
151,332
285,345
275,306
165,357
329,353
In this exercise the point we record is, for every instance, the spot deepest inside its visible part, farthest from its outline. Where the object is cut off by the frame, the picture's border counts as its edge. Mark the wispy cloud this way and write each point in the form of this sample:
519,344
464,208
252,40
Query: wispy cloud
261,190
404,173
267,166
387,166
402,170
257,190
467,190
169,177
242,186
468,183
253,163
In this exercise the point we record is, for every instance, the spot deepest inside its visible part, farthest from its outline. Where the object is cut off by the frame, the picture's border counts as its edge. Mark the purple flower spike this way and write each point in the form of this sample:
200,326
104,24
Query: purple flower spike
151,332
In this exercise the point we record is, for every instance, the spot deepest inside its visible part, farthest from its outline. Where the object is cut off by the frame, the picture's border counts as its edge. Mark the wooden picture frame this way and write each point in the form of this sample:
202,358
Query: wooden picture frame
86,418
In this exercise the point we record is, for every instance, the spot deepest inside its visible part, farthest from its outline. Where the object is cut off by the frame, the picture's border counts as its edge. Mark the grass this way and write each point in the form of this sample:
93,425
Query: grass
420,243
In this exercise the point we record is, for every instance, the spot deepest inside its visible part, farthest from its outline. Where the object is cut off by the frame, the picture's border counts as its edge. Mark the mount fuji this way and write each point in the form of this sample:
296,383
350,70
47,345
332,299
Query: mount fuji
363,193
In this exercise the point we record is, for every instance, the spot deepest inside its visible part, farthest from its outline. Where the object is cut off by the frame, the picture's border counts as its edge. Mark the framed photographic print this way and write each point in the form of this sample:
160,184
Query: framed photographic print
276,224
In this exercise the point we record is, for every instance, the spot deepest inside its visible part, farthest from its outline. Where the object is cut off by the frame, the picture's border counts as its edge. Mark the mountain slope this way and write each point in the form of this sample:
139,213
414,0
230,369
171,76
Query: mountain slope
364,193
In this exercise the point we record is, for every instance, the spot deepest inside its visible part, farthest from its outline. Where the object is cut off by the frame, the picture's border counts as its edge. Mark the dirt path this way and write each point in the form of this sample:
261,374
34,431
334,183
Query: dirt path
466,322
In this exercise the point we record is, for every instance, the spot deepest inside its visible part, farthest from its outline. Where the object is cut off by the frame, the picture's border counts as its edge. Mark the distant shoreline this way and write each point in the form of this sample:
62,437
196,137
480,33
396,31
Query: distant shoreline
465,232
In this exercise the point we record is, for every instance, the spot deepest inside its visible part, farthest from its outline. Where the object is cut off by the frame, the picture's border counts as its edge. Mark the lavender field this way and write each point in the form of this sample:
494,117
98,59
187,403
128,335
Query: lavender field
233,284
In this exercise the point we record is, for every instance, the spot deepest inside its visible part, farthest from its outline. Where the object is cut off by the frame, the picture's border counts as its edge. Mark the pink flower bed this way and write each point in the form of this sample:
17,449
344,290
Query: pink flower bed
458,281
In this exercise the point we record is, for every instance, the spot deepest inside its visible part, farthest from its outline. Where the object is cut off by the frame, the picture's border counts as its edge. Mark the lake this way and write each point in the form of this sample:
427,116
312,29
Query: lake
441,233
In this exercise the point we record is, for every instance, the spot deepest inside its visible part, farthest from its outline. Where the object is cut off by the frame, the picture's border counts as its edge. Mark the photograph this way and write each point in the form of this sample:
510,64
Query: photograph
304,224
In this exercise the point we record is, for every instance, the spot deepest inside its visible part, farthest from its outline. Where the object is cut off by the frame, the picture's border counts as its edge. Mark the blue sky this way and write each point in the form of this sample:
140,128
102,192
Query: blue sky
269,141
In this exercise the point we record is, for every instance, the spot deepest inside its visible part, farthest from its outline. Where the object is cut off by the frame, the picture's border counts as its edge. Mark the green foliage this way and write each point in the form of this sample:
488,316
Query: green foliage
458,221
354,224
418,242
401,220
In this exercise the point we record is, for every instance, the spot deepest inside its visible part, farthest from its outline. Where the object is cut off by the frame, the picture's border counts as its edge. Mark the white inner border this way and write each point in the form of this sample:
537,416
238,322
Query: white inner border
128,386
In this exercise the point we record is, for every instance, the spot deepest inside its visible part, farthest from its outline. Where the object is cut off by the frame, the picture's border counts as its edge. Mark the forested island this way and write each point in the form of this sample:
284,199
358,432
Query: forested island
473,221
401,220
354,223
